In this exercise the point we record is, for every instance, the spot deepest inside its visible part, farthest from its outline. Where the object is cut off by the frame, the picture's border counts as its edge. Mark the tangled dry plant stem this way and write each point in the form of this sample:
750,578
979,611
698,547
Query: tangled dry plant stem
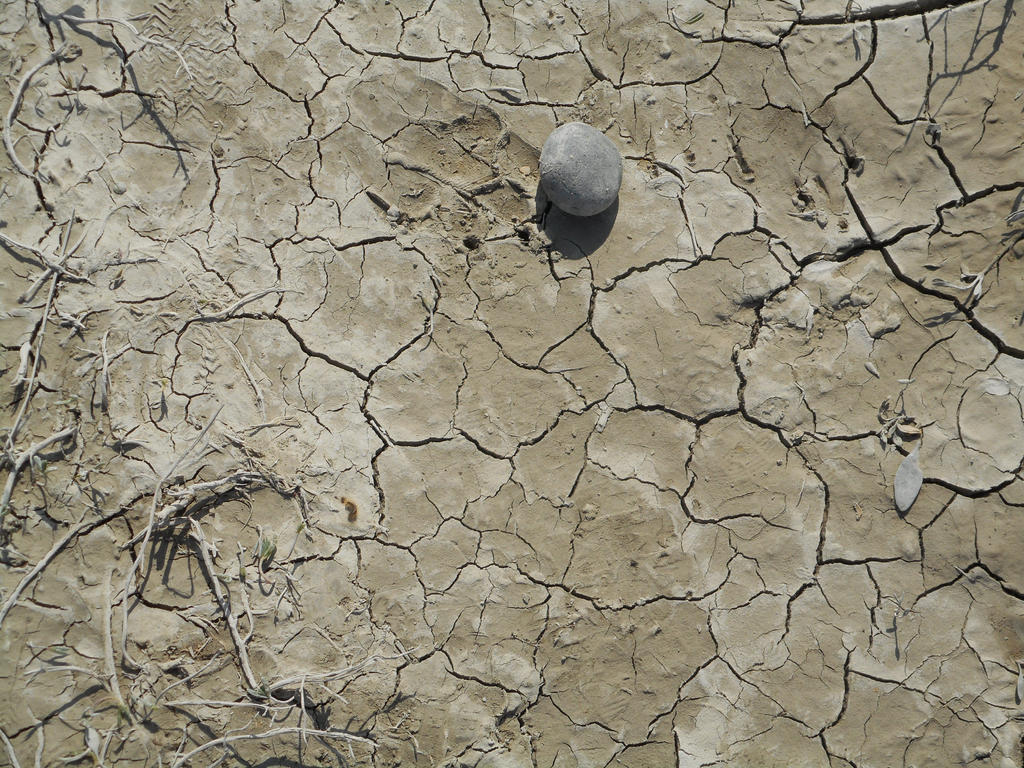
12,436
187,496
57,268
188,678
129,581
291,730
225,606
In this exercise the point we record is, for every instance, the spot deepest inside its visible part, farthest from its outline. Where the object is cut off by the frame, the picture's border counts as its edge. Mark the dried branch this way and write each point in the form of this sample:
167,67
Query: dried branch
146,40
189,678
47,261
24,458
82,527
260,402
326,677
19,92
10,749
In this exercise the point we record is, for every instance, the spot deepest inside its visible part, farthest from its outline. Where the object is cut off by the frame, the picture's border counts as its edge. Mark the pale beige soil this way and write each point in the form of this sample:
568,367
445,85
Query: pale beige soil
525,493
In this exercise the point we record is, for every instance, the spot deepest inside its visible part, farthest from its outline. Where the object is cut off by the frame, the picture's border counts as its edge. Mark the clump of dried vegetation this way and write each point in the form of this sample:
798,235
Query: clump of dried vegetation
130,693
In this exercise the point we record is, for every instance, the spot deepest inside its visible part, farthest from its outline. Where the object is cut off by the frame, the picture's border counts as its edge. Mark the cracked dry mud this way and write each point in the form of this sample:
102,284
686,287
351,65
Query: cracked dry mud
330,443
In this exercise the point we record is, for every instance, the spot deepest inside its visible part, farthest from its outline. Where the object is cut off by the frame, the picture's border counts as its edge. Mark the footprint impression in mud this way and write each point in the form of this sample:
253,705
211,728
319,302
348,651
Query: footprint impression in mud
459,163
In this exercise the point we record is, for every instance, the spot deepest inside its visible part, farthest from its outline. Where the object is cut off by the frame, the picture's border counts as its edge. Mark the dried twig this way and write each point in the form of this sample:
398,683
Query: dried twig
188,678
40,746
58,267
326,677
76,324
108,651
247,299
214,704
24,353
260,402
104,374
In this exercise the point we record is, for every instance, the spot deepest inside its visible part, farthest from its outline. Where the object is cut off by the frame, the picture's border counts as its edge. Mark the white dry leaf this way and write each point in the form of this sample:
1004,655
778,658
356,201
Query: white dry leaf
976,293
666,185
92,740
939,282
872,369
998,387
907,483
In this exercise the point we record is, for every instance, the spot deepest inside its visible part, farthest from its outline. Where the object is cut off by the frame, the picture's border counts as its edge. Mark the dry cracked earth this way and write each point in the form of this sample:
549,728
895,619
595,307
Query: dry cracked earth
329,442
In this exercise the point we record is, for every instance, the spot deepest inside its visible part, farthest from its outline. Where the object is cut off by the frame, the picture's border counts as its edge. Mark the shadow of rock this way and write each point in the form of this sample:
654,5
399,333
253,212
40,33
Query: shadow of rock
575,237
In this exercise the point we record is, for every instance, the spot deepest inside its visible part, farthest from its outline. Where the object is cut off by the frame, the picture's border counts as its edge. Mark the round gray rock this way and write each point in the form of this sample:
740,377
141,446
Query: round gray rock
580,169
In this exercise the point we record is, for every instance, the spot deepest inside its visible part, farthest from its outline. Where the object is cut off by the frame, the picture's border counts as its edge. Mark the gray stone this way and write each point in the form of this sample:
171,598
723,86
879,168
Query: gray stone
580,169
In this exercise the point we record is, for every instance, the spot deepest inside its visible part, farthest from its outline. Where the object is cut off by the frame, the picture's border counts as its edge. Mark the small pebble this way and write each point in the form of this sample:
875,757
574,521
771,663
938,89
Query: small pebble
580,169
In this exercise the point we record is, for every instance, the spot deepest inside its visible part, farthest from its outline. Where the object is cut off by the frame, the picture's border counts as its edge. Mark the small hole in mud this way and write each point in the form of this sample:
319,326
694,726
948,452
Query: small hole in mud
471,241
523,233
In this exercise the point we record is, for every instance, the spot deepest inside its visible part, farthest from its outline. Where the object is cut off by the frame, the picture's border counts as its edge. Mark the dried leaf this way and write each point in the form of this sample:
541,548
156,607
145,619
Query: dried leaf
268,548
872,369
907,430
1020,683
92,740
907,483
976,293
996,387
